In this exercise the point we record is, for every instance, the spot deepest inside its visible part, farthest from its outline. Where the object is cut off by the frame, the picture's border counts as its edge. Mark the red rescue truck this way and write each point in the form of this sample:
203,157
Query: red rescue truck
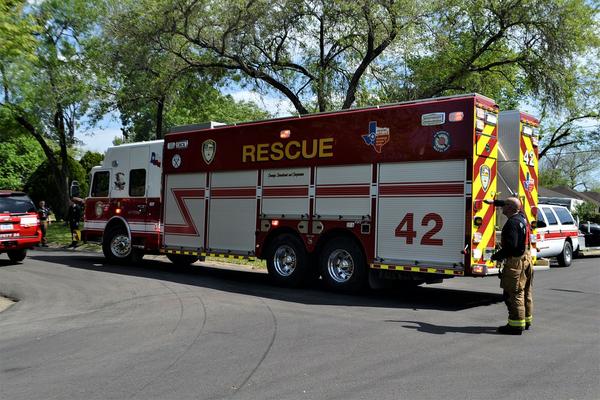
394,191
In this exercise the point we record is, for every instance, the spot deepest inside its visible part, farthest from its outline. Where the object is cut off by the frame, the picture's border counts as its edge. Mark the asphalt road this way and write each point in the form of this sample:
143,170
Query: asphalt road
85,330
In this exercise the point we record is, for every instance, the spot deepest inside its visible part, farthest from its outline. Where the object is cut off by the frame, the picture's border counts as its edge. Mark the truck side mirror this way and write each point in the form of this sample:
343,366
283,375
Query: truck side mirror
74,189
541,224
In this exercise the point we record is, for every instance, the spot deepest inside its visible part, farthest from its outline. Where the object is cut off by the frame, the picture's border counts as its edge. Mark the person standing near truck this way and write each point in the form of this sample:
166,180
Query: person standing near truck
517,274
43,214
73,219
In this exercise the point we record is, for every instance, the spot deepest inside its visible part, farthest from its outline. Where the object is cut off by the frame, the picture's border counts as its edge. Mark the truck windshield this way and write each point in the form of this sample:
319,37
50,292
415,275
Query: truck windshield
16,204
100,184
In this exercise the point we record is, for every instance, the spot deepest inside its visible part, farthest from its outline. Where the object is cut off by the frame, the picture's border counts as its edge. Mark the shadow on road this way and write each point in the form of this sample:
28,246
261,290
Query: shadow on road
442,329
258,284
6,263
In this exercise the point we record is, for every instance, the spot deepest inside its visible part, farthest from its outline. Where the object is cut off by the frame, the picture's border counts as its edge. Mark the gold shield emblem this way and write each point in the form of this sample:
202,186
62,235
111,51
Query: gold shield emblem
484,176
209,149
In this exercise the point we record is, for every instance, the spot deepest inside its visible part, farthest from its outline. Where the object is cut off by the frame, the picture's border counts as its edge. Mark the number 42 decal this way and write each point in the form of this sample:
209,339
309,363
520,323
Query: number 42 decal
406,229
529,158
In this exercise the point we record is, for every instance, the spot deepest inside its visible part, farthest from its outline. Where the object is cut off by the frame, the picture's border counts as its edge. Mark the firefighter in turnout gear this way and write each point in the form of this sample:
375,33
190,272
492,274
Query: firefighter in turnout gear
517,274
74,215
43,214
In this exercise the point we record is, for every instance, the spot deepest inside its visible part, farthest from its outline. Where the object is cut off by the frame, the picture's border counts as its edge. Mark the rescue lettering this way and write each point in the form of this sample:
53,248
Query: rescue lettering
292,150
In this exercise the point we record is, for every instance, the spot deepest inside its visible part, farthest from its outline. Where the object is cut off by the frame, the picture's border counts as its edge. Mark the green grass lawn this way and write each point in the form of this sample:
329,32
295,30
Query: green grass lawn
59,235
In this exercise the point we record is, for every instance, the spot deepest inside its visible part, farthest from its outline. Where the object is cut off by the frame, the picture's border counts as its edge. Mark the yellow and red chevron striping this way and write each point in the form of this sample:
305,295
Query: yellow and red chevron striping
528,176
485,151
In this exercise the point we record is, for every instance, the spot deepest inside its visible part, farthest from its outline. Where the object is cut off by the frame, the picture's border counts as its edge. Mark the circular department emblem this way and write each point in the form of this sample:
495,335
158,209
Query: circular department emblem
176,161
441,141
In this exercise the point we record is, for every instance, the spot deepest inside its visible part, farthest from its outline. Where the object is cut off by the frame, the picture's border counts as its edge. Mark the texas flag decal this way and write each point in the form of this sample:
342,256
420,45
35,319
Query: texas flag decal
377,136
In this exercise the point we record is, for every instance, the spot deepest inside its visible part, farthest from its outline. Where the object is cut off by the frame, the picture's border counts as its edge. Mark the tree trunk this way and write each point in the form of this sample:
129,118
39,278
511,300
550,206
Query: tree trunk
62,185
160,108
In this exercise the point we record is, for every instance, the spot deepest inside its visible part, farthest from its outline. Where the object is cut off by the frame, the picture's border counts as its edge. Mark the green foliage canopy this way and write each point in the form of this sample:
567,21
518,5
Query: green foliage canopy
587,212
90,159
41,184
20,156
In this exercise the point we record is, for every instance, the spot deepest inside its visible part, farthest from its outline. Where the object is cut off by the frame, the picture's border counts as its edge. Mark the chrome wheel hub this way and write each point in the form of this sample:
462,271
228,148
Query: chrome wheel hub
284,260
340,266
120,245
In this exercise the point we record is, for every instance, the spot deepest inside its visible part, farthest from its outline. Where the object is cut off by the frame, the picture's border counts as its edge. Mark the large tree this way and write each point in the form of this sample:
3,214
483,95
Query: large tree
151,89
572,166
47,88
317,53
577,124
323,55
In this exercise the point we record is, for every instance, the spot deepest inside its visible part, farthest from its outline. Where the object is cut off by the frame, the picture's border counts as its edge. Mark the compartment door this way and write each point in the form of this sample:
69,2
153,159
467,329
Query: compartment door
421,213
184,210
232,220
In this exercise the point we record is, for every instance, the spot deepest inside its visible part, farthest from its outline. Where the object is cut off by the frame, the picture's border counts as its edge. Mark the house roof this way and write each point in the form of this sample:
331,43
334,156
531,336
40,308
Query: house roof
545,192
593,195
567,192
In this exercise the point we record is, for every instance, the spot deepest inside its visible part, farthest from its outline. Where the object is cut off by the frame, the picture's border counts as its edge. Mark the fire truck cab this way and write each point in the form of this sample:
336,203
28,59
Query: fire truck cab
123,208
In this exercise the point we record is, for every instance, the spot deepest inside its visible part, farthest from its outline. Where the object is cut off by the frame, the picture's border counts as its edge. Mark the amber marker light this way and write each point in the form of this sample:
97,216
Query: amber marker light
285,134
118,211
275,222
477,269
456,116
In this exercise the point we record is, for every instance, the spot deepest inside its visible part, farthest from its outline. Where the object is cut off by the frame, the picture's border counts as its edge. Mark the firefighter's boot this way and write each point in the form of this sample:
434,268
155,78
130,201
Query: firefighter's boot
510,330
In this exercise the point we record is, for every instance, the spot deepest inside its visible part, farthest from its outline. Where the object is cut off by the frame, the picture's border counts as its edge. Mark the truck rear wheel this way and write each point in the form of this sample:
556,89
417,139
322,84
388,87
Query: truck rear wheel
287,261
343,265
182,259
117,247
17,255
565,258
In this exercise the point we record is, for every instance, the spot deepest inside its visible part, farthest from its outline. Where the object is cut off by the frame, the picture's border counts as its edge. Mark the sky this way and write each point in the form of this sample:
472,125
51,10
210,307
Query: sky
101,137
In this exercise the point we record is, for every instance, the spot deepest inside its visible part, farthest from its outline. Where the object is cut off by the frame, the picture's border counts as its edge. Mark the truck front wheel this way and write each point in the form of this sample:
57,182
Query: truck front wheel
287,261
117,247
17,255
343,265
565,258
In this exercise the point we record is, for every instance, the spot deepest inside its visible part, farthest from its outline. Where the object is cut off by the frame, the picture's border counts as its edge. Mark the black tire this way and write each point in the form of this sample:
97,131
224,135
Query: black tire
17,255
117,247
343,266
182,259
287,261
565,258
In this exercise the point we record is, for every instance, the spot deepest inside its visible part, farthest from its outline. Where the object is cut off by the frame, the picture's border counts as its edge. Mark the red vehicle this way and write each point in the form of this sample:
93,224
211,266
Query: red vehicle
394,191
19,225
